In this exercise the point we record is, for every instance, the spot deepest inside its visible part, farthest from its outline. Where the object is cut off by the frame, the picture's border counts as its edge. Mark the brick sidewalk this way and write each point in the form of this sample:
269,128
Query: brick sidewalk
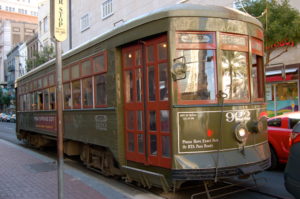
22,176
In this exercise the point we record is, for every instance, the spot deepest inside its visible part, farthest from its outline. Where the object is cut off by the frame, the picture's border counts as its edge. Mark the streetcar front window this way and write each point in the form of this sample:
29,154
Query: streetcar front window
235,75
200,83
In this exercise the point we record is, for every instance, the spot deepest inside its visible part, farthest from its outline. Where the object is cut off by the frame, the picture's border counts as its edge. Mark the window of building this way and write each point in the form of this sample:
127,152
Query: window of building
84,22
107,9
45,24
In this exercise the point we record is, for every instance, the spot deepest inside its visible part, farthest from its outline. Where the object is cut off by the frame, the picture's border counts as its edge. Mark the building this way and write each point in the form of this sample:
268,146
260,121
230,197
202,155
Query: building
89,18
282,75
14,28
26,7
44,24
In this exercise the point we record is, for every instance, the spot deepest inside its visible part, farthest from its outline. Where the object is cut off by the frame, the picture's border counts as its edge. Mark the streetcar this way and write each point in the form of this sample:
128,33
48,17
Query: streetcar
167,98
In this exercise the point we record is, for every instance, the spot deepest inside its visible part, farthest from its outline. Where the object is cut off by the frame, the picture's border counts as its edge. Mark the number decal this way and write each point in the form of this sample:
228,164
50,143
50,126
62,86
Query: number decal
238,116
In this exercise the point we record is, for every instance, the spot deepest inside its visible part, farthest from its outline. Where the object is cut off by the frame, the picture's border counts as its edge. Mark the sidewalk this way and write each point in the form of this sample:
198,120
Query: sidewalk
25,174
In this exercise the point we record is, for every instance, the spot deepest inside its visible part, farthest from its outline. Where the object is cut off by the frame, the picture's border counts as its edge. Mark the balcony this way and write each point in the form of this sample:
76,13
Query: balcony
11,68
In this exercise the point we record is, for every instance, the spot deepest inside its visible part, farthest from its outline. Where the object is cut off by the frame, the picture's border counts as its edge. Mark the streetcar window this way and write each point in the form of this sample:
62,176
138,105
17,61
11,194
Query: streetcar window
52,98
151,84
164,121
153,144
163,81
76,94
66,74
166,146
40,100
34,101
46,99
21,103
200,81
45,81
130,120
99,63
28,102
67,96
257,76
51,80
141,141
86,68
150,54
87,92
129,86
138,77
235,75
152,121
162,51
40,83
257,68
130,142
140,120
75,72
100,90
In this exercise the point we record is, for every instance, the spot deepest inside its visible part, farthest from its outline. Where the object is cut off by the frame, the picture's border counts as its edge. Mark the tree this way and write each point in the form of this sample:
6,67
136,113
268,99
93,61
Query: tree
281,23
40,57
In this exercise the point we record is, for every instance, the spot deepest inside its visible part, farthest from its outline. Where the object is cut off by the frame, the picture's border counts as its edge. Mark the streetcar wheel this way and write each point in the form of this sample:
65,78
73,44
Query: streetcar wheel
274,159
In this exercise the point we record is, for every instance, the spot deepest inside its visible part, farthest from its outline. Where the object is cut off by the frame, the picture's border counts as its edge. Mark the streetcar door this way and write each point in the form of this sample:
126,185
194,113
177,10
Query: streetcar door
146,102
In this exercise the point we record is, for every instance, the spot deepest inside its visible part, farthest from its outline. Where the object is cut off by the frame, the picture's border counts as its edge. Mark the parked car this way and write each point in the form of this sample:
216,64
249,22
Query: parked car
13,118
7,119
291,172
279,131
3,117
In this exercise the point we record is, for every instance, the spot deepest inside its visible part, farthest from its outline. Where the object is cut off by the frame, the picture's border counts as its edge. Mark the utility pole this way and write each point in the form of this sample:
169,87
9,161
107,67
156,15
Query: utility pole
59,12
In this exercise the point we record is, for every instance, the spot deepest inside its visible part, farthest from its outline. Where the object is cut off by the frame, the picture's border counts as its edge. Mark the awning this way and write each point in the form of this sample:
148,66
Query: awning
277,72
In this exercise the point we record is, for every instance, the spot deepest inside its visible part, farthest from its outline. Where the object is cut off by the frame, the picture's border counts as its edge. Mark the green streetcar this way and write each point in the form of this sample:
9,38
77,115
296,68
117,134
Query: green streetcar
171,97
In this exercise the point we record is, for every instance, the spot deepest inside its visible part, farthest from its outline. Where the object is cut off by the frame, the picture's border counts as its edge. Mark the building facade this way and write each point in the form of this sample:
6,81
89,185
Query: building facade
282,75
26,7
89,18
14,28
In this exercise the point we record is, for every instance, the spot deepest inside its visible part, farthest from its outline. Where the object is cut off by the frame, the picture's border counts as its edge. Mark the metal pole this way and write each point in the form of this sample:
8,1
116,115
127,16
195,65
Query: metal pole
60,137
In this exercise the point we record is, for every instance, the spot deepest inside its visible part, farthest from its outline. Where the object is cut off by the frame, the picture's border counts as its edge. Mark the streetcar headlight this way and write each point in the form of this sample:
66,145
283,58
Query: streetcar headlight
241,133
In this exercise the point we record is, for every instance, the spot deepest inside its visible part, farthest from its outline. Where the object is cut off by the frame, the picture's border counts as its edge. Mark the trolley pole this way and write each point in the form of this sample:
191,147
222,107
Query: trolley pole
59,12
60,133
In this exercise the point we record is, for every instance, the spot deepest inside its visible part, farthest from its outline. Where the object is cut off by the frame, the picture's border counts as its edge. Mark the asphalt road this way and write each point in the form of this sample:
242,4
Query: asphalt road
270,183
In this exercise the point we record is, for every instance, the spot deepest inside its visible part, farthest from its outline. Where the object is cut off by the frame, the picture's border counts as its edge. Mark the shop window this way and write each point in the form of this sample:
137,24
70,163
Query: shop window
87,92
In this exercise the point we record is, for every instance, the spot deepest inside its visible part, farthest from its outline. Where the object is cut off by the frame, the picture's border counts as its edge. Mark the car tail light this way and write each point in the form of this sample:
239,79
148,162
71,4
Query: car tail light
294,138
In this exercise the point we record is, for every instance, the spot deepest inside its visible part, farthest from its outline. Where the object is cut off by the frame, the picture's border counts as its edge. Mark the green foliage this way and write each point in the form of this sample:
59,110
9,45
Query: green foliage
281,22
40,57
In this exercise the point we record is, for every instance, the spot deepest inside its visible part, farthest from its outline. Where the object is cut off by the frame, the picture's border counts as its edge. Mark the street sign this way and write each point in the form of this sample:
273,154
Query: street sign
60,29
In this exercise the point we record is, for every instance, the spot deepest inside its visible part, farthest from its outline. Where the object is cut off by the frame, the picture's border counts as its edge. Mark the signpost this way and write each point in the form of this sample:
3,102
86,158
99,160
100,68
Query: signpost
59,20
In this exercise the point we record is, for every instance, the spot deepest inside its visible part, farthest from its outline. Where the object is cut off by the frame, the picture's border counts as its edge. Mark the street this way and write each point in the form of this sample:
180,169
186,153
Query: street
270,183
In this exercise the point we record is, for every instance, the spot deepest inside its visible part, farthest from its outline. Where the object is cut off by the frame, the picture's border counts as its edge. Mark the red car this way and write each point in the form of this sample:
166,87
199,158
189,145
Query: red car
279,130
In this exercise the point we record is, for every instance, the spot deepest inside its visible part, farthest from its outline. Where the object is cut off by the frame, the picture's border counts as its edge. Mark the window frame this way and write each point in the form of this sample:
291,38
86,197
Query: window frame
87,26
198,46
106,6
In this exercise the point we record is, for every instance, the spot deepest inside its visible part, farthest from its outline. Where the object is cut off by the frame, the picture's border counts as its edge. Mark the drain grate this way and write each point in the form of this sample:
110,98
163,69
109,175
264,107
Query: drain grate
43,167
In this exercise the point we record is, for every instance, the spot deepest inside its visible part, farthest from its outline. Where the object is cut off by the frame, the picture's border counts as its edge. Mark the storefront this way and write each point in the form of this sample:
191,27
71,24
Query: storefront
282,89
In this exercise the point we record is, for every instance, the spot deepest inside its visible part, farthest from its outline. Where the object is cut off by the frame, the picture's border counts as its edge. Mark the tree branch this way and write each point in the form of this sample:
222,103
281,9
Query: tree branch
282,52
